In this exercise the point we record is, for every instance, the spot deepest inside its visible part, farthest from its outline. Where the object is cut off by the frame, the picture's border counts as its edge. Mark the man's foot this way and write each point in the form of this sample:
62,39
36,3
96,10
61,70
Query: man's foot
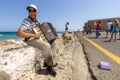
45,64
52,71
37,68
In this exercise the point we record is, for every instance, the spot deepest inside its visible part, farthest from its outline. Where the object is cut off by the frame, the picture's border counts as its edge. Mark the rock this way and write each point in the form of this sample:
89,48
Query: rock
17,61
4,76
67,36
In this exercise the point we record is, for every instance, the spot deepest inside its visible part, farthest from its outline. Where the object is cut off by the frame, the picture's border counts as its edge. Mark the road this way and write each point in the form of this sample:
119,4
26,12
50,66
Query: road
104,51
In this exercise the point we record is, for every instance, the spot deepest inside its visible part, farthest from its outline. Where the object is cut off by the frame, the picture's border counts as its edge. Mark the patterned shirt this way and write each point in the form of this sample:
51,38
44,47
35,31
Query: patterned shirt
27,25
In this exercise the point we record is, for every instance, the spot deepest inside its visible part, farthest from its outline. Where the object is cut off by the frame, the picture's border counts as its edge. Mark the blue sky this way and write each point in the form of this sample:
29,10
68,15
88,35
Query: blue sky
76,12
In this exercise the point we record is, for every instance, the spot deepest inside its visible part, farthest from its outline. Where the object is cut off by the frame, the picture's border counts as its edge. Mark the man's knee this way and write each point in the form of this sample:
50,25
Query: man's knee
47,45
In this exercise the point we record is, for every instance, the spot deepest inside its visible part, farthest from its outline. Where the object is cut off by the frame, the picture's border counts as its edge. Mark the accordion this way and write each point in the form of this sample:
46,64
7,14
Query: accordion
47,31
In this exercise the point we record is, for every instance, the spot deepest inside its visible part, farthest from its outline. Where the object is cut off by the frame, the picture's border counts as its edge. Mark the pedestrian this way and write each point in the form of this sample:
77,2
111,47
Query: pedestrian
90,29
118,28
98,28
114,31
83,31
119,34
25,31
109,28
66,26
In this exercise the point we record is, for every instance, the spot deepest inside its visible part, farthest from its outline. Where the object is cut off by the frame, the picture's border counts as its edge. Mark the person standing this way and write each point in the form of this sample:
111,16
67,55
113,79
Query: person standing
66,26
119,34
26,31
90,29
115,30
98,28
109,28
118,28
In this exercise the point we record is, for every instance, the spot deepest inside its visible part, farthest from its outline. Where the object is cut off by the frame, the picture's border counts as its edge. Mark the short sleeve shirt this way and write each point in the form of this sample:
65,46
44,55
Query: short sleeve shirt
98,26
27,25
109,25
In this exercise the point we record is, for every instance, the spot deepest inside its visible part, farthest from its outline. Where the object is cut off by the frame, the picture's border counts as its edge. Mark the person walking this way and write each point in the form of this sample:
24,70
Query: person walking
26,31
98,28
109,28
119,34
115,30
118,28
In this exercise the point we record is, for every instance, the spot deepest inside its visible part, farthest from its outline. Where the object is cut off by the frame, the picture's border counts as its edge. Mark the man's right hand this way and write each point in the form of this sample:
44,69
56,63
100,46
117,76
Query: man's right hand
21,33
37,36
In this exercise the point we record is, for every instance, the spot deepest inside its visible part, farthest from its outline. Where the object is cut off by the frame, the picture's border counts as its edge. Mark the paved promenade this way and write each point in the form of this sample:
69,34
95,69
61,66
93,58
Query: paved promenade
99,49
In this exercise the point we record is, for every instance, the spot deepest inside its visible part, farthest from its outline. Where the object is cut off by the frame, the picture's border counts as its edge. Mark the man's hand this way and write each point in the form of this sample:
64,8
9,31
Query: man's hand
21,33
37,36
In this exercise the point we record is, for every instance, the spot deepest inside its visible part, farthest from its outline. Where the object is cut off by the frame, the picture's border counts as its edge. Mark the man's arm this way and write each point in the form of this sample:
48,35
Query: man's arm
23,34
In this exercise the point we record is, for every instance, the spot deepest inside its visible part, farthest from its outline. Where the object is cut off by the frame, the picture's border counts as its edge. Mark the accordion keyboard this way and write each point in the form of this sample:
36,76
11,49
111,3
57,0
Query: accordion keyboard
37,30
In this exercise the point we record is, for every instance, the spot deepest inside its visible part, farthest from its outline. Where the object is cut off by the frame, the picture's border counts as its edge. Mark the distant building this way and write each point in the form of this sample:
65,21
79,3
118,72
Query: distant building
104,22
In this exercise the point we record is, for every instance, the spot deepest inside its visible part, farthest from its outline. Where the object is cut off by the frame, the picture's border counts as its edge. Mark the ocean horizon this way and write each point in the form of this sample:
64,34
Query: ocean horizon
6,35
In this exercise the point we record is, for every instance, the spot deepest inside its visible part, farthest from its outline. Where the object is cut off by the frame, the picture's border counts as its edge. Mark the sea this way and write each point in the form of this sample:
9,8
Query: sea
12,35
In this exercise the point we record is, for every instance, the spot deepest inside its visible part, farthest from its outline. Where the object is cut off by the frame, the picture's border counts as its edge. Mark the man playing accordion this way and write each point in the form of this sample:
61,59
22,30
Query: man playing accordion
26,31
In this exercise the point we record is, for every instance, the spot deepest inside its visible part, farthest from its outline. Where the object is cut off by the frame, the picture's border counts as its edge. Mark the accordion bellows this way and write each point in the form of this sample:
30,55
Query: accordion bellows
46,31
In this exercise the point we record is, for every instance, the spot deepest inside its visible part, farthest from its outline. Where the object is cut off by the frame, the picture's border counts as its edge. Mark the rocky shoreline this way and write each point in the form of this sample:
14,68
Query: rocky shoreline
17,60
